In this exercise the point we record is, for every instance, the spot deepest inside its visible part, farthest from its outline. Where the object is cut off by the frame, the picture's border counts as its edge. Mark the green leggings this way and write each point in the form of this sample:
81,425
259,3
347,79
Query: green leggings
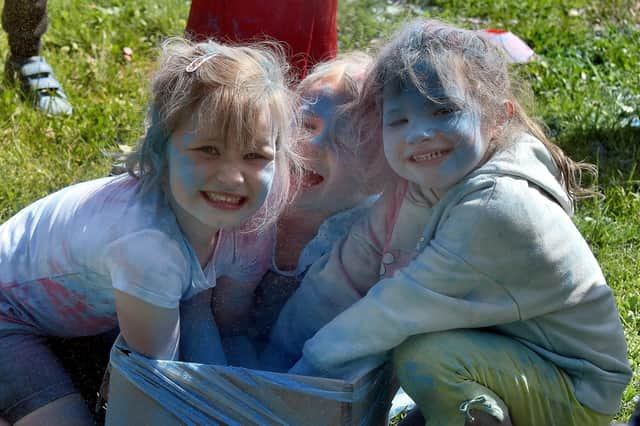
447,374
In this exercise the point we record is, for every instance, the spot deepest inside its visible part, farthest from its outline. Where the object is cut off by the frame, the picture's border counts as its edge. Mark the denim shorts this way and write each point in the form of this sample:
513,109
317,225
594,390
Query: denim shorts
33,374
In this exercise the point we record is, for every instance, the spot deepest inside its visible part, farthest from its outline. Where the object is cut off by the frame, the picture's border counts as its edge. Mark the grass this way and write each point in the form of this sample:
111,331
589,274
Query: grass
586,81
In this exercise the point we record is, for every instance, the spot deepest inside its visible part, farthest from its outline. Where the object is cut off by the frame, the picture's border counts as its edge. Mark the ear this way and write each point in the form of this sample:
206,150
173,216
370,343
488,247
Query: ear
505,113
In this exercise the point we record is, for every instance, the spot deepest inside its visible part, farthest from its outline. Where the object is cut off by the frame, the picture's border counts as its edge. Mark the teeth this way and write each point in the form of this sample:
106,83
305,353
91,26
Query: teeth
428,156
311,171
232,199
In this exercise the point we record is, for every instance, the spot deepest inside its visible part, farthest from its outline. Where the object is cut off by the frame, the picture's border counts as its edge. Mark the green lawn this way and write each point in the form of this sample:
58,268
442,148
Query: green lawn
586,81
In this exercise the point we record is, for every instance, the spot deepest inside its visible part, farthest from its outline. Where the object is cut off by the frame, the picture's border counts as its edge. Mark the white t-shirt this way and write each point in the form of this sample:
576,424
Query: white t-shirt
61,257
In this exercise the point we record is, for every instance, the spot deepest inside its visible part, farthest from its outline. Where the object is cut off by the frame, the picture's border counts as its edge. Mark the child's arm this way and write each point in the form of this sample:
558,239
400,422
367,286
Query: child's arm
214,325
151,330
492,261
200,339
149,274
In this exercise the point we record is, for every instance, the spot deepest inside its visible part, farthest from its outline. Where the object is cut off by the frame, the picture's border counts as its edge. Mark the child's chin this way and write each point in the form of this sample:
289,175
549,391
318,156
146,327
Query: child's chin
221,219
229,219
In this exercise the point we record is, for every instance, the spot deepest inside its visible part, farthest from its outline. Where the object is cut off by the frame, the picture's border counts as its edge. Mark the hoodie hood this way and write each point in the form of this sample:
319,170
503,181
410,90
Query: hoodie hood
528,158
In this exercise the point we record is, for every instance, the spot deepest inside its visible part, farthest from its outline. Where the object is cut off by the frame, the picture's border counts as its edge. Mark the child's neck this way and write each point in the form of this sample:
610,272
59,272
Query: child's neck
423,196
295,229
203,242
204,245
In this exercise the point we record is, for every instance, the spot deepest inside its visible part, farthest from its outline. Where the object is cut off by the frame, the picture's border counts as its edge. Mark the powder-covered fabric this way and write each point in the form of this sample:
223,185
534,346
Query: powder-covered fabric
496,375
278,285
498,251
62,256
330,231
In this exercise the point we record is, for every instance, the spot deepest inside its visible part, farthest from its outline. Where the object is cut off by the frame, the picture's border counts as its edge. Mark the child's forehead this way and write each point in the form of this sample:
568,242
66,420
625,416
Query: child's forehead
248,130
423,80
321,101
328,87
330,81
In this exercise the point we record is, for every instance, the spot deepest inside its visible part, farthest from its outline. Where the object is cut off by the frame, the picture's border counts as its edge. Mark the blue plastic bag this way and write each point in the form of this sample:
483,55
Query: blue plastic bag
144,391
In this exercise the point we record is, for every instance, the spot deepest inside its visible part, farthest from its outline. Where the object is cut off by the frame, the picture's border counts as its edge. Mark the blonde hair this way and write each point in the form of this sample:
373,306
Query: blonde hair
454,55
226,88
347,69
347,73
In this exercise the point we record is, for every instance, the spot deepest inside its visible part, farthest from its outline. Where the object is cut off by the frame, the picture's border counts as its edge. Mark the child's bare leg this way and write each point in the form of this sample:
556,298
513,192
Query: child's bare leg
35,389
69,410
473,377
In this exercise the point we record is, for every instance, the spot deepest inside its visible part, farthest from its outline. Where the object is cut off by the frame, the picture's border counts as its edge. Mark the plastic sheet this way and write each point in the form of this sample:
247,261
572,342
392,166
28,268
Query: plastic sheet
144,391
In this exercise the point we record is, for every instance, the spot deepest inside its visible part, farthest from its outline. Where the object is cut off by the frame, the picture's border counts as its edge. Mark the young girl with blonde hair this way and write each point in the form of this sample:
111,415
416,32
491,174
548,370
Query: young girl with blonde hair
331,196
212,171
468,273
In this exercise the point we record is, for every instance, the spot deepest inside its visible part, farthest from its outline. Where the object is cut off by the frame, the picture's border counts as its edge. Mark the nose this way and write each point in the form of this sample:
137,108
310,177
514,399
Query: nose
315,147
229,175
419,134
319,142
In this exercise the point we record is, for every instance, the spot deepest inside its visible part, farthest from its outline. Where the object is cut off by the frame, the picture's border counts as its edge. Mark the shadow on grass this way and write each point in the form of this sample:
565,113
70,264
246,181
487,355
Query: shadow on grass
616,152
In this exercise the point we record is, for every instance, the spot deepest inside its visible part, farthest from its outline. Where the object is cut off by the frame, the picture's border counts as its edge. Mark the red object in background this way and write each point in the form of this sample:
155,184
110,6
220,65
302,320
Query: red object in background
307,27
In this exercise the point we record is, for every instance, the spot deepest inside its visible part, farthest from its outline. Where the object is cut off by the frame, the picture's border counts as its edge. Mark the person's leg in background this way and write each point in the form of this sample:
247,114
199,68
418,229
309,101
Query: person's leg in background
307,27
473,377
25,22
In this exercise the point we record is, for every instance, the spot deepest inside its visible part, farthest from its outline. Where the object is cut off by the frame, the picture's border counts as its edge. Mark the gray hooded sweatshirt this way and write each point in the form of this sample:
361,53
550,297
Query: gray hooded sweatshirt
498,251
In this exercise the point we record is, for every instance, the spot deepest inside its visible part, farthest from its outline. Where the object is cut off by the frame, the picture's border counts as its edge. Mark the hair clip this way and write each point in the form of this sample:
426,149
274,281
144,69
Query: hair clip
196,63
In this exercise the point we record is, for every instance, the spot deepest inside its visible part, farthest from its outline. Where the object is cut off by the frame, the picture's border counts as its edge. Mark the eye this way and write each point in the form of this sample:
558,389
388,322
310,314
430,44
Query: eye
209,150
445,110
312,124
397,122
257,156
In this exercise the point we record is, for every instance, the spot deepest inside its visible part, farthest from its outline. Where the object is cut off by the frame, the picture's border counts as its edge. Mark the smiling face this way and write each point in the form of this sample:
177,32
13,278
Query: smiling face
214,184
329,184
435,142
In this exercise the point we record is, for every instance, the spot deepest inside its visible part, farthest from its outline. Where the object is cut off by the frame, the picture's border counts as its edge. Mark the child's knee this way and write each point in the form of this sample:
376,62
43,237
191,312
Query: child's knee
419,362
433,369
435,353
